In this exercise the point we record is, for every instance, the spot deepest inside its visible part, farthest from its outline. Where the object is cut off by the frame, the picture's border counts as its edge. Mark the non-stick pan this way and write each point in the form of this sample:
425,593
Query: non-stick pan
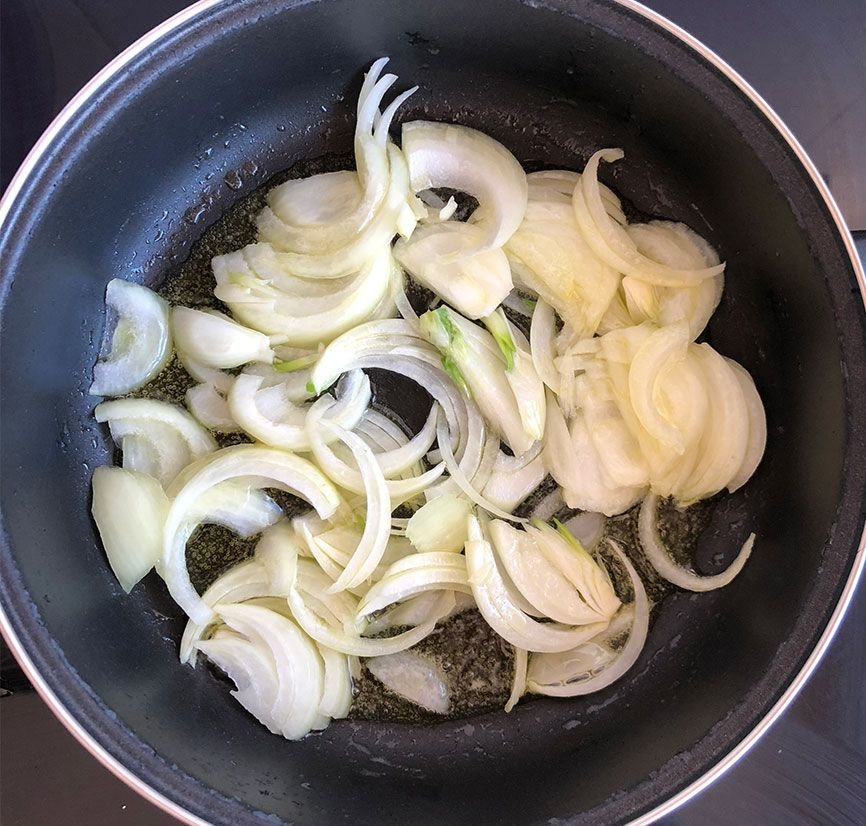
207,108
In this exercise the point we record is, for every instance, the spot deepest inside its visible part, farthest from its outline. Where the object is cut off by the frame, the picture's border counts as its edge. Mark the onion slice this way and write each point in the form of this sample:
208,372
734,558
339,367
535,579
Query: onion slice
666,567
140,339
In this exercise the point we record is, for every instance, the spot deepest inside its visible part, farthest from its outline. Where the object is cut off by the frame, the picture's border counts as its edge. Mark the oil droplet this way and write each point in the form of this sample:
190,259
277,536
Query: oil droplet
233,180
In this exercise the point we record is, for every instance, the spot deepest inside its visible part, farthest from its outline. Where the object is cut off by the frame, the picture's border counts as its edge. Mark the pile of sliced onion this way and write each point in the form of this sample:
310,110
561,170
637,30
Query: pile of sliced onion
584,390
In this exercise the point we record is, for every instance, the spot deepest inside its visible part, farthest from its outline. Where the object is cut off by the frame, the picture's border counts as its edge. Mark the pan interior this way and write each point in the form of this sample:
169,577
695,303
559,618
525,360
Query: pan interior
243,92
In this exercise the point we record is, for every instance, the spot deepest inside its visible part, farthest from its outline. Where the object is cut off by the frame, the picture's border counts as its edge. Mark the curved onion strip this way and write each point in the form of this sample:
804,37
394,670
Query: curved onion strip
291,432
377,527
430,572
500,612
299,667
624,660
509,487
251,667
210,408
542,335
405,308
439,525
246,580
273,468
666,567
425,607
611,242
399,459
129,509
448,155
518,683
538,578
140,340
415,677
337,690
346,643
462,482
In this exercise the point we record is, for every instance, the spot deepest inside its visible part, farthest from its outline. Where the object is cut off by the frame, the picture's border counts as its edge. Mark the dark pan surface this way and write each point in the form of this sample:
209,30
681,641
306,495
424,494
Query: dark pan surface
246,92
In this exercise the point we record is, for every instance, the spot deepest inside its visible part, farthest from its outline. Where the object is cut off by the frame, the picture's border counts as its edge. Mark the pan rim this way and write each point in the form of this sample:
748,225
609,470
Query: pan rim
110,71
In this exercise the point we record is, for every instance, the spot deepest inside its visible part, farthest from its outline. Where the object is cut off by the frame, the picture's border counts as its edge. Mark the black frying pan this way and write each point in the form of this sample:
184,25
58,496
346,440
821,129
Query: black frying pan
134,176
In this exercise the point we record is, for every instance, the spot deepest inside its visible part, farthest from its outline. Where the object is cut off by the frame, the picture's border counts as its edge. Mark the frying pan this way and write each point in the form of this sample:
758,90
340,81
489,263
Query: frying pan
135,169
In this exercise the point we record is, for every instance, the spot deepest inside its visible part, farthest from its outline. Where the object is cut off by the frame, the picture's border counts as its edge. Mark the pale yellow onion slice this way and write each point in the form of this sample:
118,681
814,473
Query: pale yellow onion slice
299,668
571,682
537,578
416,678
611,243
440,524
307,321
503,615
542,334
140,340
660,558
214,340
451,259
518,682
270,467
457,157
129,509
210,408
251,667
562,268
351,257
415,574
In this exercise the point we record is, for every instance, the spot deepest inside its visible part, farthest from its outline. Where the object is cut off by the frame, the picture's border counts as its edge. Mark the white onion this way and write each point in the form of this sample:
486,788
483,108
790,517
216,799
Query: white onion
419,679
214,340
665,566
210,408
140,339
440,525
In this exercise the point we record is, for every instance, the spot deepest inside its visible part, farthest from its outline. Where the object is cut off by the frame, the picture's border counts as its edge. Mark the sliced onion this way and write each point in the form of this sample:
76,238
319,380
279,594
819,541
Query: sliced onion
270,467
299,668
757,439
440,525
140,339
211,409
425,607
542,334
214,340
508,487
415,677
660,558
611,242
518,683
129,509
445,258
457,157
576,682
503,615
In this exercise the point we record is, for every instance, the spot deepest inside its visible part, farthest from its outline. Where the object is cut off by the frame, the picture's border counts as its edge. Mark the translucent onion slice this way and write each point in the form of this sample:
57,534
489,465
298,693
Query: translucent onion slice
221,381
140,339
560,266
538,579
440,525
573,561
211,408
457,157
301,321
611,242
425,607
270,468
552,675
377,526
214,340
542,335
166,437
413,575
129,509
503,615
445,258
660,558
417,678
251,667
300,671
508,486
757,440
352,643
286,427
518,682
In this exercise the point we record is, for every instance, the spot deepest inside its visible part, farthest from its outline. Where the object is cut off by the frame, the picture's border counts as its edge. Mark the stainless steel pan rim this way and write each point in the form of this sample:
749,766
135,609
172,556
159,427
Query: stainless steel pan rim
93,87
